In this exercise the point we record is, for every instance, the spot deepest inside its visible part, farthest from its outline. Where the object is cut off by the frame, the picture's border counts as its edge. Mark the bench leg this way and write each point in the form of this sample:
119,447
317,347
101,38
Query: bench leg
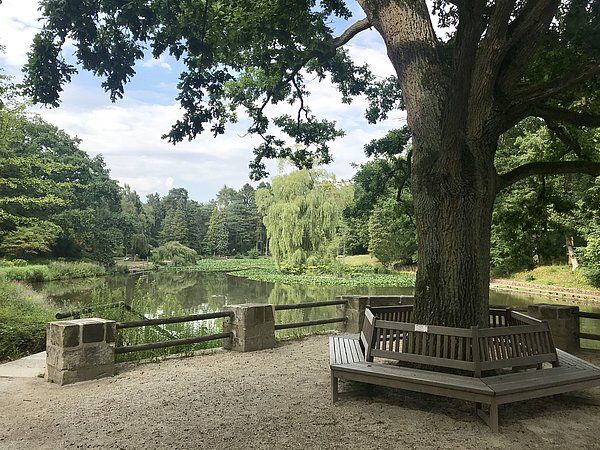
334,388
491,418
494,417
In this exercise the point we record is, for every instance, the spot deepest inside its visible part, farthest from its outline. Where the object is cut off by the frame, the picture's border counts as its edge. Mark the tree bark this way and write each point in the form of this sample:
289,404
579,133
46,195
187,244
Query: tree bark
571,252
453,212
453,179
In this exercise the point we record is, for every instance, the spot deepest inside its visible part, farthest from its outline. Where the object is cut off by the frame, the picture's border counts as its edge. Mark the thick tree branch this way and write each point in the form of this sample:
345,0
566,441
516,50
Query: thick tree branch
562,115
543,91
352,31
569,141
524,35
547,168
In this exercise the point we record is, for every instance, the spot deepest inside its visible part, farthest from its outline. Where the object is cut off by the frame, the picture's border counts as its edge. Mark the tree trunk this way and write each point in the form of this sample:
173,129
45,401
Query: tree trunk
453,217
571,253
453,179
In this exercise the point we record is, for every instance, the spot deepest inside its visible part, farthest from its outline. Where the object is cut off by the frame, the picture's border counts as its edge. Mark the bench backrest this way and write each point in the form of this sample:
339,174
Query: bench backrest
475,350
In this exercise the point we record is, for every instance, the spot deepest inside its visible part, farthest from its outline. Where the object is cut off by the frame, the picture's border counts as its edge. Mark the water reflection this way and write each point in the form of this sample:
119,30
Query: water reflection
180,293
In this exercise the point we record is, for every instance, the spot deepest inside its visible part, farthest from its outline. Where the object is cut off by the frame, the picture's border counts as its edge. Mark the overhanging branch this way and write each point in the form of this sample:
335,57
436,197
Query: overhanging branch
350,32
543,91
562,115
548,168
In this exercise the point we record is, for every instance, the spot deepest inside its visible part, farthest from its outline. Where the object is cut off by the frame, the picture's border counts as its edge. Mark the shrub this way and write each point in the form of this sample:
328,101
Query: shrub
253,253
175,254
56,270
593,275
23,317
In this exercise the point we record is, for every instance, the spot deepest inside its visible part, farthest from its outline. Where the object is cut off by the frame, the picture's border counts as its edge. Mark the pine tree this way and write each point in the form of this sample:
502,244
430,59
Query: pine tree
216,239
174,227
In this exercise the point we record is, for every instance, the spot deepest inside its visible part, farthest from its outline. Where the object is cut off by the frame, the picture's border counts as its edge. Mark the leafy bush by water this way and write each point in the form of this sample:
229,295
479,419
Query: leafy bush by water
23,317
55,270
175,254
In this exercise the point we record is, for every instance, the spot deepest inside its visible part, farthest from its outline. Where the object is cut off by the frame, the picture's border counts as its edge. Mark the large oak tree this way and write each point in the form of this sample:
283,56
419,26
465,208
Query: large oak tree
504,61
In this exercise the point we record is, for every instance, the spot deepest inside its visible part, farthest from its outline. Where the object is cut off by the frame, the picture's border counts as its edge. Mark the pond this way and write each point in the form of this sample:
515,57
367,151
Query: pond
168,293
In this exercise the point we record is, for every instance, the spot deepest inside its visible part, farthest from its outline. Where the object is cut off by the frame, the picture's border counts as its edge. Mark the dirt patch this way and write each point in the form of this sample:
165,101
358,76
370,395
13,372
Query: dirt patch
276,398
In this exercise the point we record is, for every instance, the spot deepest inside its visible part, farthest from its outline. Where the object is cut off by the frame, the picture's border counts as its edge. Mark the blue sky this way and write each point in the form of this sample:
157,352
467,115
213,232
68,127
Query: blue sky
128,133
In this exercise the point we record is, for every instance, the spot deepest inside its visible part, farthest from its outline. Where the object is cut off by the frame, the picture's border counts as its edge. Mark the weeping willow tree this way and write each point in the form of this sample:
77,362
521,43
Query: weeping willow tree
302,213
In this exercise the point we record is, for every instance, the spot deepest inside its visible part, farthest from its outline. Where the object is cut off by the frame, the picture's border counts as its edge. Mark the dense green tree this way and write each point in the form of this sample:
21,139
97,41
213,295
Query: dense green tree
240,216
174,253
174,227
140,245
155,212
216,240
385,176
542,219
500,62
392,237
29,240
302,213
135,223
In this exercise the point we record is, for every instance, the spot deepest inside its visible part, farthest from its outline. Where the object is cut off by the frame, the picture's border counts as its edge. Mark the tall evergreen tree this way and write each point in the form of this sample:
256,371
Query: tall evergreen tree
216,239
174,227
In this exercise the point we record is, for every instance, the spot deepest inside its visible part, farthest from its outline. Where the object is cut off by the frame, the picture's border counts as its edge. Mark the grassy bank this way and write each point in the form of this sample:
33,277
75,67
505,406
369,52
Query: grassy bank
23,317
55,270
559,276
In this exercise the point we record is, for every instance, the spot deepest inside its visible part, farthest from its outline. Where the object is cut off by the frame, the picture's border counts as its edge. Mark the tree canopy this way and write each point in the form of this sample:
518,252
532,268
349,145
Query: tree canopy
302,213
499,63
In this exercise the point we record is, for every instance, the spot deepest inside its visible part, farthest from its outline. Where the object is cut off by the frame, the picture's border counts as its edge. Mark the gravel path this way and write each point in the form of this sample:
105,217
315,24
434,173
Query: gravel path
276,398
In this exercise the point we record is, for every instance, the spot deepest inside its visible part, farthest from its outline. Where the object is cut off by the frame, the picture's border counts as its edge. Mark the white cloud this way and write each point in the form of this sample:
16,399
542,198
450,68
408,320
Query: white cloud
157,62
128,133
18,22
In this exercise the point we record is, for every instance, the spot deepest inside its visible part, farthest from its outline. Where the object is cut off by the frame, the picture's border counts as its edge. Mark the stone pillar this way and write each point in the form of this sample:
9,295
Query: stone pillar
355,307
563,321
79,350
253,327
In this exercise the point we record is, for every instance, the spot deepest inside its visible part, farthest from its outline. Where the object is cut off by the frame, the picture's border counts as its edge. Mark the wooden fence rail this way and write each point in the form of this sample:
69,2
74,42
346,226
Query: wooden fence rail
177,319
309,323
309,305
172,342
589,315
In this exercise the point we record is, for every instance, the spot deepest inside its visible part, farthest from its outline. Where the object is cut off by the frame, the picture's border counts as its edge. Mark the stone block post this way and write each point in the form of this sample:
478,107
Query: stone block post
355,307
253,327
563,321
79,350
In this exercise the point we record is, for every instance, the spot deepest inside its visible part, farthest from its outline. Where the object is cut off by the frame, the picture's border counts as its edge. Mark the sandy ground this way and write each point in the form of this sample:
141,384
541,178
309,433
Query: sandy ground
277,398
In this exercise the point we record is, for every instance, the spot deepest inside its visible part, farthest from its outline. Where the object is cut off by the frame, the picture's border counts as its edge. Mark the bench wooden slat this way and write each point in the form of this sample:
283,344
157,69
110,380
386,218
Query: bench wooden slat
572,360
501,331
418,376
432,329
332,350
431,360
516,362
532,380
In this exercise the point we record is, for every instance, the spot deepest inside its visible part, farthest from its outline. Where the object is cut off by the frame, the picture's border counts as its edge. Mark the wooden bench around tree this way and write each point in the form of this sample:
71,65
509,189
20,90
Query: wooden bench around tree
493,363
